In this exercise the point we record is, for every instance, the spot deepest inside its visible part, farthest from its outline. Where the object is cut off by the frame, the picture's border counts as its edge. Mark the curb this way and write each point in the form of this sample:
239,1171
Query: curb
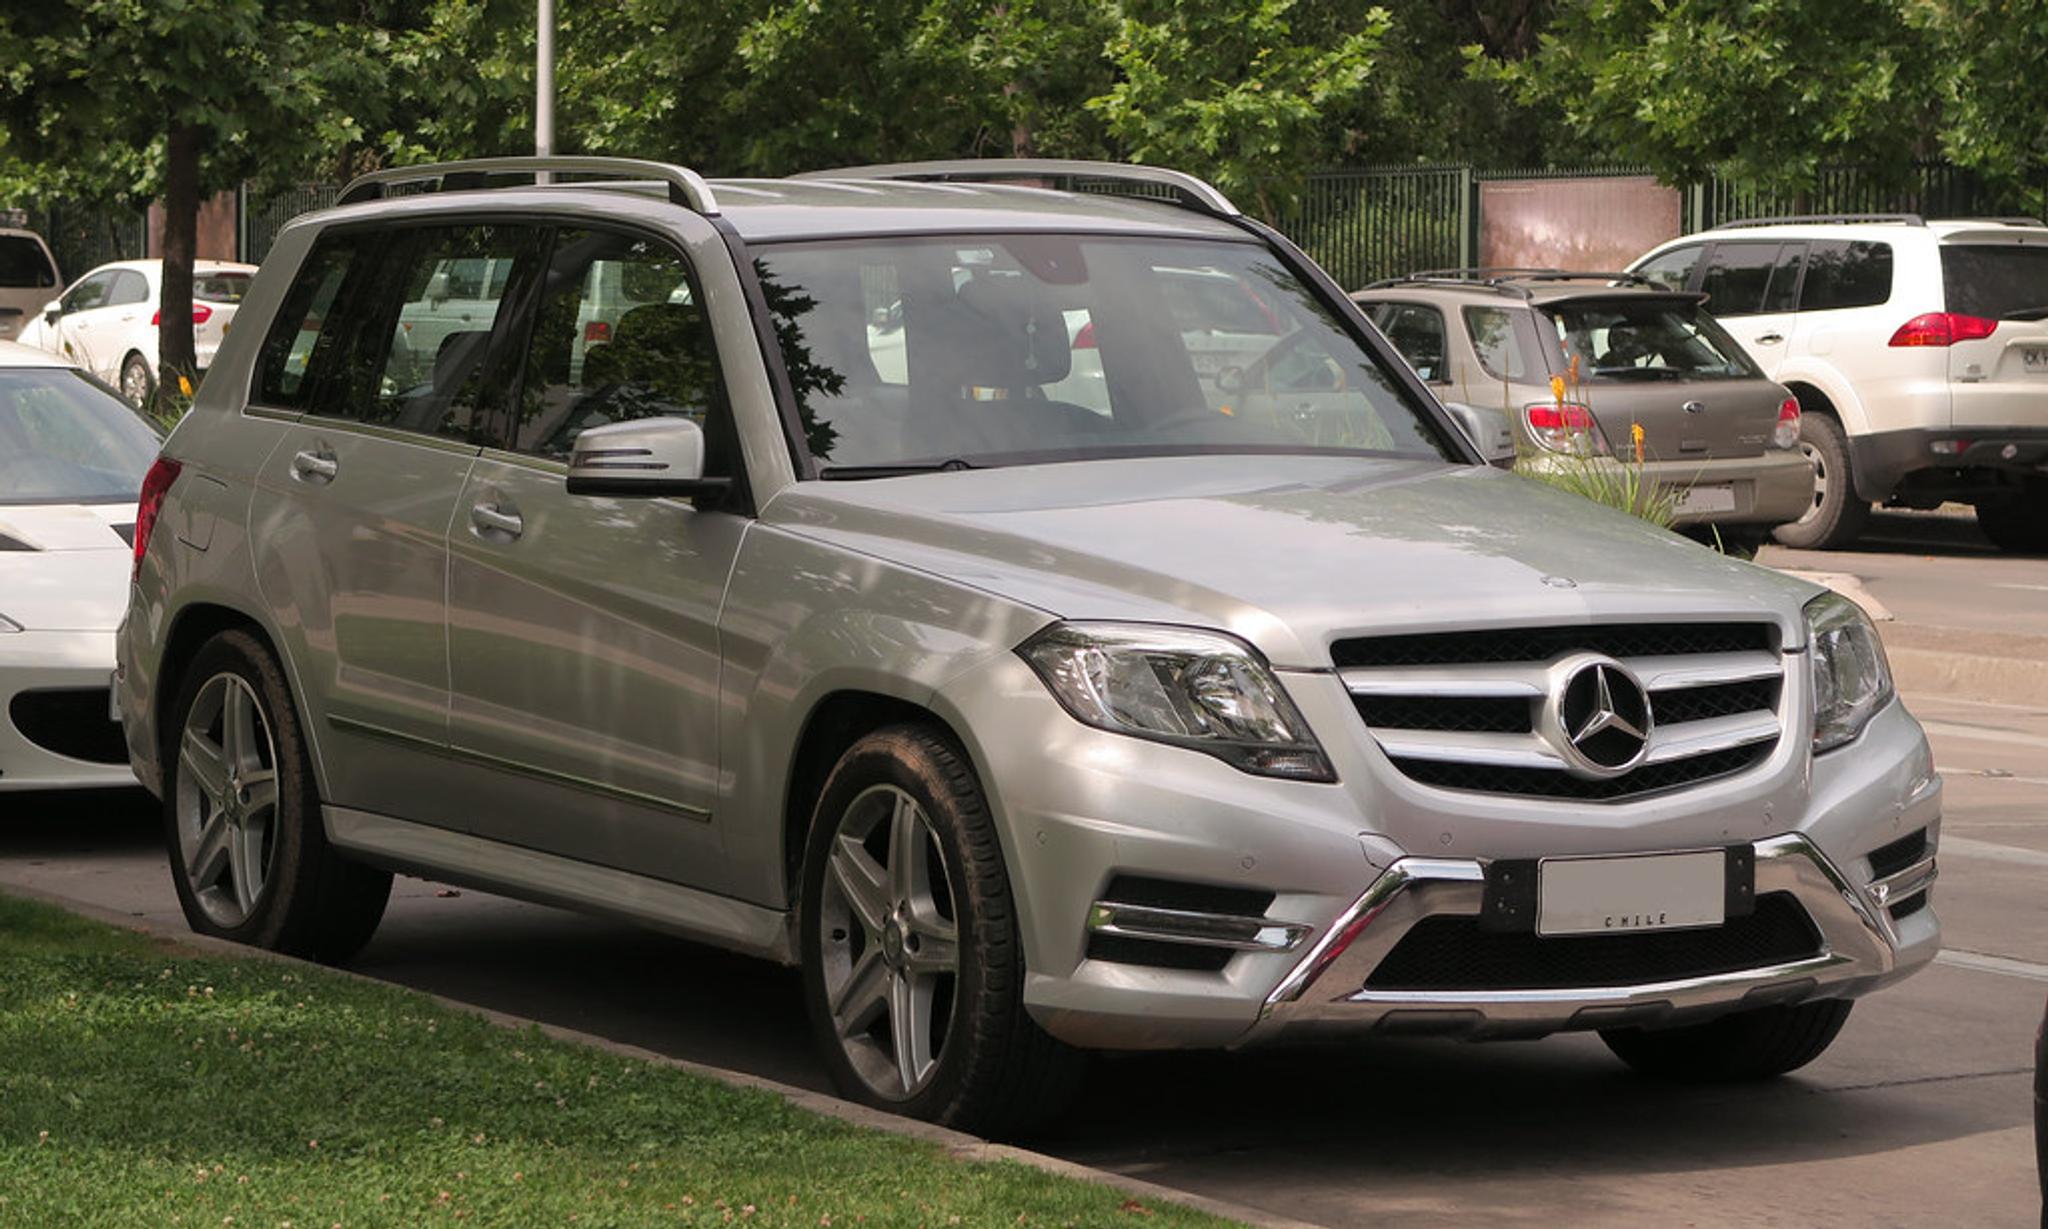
2001,669
956,1144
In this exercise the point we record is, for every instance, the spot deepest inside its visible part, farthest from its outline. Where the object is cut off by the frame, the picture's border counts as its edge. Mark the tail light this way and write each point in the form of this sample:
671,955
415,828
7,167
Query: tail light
201,313
1564,427
1942,329
597,330
155,485
1085,339
1787,433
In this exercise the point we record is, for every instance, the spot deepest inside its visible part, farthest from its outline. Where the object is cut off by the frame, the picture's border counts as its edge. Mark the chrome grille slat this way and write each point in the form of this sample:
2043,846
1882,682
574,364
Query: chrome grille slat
1690,738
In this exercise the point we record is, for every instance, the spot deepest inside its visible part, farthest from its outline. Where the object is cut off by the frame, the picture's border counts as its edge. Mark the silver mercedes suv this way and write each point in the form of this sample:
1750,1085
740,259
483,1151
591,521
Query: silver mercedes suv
1055,620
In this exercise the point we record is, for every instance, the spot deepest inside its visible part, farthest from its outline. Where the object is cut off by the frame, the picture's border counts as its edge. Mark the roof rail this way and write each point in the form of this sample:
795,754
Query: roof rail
1796,219
685,186
1507,279
1189,191
2011,221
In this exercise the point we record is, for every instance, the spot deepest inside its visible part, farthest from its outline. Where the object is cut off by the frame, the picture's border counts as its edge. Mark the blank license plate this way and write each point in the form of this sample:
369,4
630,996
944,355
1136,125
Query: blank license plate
1707,499
1672,891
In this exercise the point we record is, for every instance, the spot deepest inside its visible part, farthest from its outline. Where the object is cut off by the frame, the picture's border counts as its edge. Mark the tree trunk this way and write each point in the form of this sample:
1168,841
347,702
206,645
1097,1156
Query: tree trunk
177,358
1023,141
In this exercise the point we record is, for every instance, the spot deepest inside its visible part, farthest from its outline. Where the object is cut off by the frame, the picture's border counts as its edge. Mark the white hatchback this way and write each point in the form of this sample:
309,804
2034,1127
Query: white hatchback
1918,351
106,322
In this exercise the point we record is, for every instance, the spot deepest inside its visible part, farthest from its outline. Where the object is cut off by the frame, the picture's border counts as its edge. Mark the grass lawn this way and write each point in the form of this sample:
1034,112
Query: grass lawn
144,1085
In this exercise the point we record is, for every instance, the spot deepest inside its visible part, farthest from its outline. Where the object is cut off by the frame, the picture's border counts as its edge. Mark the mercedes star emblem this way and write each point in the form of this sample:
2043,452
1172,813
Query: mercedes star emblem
1596,716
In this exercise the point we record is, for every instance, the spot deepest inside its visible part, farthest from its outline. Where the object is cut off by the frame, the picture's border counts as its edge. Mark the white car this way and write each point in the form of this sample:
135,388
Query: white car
1918,351
28,278
72,459
107,321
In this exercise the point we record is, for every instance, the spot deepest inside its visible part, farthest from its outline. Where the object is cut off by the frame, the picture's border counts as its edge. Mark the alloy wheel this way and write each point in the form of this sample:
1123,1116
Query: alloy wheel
135,384
1820,481
227,799
890,942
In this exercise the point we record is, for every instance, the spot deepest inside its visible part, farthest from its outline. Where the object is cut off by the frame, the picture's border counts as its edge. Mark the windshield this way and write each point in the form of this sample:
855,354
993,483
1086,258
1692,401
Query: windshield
986,350
1647,340
1994,280
220,287
67,439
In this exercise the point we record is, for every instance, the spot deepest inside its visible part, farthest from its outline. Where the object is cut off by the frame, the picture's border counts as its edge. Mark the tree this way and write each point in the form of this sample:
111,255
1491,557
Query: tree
1233,90
1994,94
125,100
1769,90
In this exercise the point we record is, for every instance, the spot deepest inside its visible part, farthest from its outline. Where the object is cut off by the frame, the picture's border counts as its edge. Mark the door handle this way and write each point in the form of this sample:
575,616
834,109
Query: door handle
490,518
1770,339
311,466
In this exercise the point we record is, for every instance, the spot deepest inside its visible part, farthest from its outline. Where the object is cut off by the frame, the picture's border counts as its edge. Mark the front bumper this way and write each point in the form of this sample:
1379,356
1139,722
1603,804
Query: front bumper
54,700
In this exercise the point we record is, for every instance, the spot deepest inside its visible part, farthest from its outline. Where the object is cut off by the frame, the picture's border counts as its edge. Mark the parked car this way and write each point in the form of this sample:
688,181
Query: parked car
106,322
28,278
72,457
1715,432
1918,351
1021,728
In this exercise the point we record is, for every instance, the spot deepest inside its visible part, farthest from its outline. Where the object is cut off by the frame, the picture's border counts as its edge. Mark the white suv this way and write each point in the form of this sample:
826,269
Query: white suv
1918,351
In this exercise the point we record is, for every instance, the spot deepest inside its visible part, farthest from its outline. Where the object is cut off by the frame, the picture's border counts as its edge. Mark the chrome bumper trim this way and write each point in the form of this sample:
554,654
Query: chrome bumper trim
1326,988
1243,934
1912,881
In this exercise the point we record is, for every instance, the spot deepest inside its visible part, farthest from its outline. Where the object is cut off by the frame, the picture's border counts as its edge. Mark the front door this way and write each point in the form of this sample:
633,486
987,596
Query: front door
84,310
583,631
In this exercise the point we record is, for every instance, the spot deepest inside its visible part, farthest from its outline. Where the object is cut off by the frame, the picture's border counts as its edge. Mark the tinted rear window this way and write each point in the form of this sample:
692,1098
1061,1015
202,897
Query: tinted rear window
1843,274
23,265
1994,279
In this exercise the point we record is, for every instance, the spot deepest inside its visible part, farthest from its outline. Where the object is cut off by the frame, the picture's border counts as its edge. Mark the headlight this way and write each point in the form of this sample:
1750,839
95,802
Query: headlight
1851,679
1202,690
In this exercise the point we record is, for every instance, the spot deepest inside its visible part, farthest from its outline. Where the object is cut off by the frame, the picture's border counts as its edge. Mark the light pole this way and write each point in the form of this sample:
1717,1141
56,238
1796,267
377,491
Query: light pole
544,80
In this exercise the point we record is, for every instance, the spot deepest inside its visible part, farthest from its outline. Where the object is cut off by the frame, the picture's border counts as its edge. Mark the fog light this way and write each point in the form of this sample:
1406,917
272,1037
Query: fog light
1949,448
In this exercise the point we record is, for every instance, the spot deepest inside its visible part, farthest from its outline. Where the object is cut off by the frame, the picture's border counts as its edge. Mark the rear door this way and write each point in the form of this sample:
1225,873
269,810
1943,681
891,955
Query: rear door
2000,278
583,631
351,511
1752,288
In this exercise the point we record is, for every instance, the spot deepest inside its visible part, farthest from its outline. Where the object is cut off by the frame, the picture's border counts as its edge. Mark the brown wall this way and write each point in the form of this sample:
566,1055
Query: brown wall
217,225
1574,223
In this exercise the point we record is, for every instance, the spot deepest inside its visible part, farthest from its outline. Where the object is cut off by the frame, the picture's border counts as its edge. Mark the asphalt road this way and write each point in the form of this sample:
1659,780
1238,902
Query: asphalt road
1920,1114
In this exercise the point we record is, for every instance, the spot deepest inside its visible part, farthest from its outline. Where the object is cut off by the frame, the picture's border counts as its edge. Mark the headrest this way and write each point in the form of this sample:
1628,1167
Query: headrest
1007,334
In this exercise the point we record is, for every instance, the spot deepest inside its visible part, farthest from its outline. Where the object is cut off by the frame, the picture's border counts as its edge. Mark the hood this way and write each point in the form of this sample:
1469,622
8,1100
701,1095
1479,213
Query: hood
64,567
1290,553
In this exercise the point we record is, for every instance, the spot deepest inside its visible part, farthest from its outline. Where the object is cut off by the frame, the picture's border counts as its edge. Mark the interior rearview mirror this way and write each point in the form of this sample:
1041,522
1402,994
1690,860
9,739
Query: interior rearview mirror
1488,430
642,457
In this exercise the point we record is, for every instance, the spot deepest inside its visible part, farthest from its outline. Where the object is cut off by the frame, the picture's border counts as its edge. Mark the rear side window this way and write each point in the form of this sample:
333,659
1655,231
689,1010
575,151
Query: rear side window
1781,294
1673,269
129,287
1994,280
304,325
1417,331
1736,277
1846,274
23,266
1501,344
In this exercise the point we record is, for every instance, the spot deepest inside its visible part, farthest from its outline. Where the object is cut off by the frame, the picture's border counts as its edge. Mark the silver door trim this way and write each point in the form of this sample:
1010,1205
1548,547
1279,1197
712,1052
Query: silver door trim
493,866
353,725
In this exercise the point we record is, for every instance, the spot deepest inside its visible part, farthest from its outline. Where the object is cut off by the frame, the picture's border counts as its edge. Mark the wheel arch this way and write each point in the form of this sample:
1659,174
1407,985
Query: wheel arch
191,627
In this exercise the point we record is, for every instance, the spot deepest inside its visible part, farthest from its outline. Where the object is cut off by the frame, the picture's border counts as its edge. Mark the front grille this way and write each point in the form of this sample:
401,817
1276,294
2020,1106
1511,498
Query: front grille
1547,643
70,722
1453,953
1458,710
1887,860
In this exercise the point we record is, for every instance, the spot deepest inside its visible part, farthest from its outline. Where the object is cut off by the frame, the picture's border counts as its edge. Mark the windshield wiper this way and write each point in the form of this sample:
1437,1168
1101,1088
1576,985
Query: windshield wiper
853,473
2027,313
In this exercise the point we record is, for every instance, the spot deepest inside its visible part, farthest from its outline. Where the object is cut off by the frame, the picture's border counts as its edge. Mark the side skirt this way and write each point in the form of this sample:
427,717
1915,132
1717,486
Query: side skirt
492,866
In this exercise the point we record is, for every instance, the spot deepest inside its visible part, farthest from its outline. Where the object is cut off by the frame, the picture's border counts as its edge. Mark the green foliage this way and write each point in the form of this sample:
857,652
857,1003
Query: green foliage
1767,90
1993,91
1617,484
1231,91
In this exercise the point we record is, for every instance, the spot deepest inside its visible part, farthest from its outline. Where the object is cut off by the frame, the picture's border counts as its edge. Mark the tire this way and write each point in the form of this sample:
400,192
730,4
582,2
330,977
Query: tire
1749,1045
2018,524
1838,516
248,850
138,382
874,930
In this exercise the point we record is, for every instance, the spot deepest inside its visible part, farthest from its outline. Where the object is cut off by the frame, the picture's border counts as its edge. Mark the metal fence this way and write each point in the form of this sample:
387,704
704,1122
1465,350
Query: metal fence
82,236
265,213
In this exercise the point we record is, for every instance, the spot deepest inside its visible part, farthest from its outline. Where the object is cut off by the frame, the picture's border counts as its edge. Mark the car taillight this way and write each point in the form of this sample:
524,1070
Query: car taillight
597,330
1942,329
155,485
201,313
1085,339
1564,427
1787,433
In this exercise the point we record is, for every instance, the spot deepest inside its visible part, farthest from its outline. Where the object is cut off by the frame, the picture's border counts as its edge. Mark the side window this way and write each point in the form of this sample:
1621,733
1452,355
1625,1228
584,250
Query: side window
620,334
1737,274
1846,274
1417,331
1780,295
129,287
1498,343
90,293
1674,268
304,326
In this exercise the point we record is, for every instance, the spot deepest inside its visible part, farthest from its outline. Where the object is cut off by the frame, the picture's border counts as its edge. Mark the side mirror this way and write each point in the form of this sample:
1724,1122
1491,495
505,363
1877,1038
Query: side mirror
644,457
437,289
1488,430
51,313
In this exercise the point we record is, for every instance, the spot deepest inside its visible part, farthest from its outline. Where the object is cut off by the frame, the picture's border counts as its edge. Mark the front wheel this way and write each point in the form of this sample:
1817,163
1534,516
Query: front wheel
1748,1045
249,853
912,965
1837,515
138,382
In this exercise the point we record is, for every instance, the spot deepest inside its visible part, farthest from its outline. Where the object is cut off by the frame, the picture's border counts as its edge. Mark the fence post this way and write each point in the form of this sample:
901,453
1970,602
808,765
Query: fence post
242,221
1468,218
